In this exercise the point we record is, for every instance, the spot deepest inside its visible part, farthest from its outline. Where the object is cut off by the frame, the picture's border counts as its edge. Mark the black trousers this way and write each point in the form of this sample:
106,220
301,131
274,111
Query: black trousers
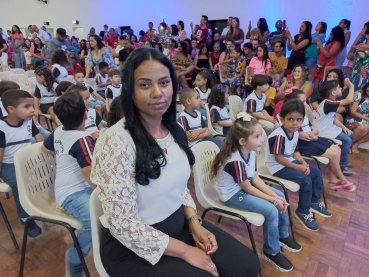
232,258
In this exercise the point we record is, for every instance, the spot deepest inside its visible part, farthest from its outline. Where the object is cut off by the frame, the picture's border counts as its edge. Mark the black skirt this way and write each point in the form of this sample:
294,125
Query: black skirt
314,148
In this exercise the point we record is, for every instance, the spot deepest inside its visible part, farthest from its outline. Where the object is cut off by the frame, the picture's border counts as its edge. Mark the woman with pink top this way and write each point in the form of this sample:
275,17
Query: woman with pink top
18,40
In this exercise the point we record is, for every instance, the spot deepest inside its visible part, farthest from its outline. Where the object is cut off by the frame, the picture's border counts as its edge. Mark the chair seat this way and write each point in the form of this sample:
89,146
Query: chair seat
55,212
264,172
4,187
213,200
46,115
320,159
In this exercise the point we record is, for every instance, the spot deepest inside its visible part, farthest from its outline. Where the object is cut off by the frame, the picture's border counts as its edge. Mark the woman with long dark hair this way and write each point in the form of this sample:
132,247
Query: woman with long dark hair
181,32
299,44
311,55
141,166
97,54
328,53
262,31
18,41
182,63
37,59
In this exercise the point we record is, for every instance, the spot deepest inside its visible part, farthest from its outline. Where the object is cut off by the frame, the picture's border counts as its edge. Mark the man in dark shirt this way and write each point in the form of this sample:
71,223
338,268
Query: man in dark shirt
124,53
278,35
104,34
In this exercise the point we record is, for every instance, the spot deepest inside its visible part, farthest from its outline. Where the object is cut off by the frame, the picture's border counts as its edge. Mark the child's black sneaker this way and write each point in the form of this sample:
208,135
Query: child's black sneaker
290,244
279,261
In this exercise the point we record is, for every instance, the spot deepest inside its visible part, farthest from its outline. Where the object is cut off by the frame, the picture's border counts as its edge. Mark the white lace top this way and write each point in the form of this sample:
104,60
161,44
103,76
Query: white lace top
130,208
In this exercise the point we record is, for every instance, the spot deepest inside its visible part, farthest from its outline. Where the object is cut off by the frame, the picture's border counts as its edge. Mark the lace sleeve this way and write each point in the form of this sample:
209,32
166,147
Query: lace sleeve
113,171
187,199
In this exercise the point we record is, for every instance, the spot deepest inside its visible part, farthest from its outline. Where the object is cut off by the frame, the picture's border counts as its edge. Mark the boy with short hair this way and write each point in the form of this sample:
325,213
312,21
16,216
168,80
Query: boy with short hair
247,51
283,160
102,79
62,88
326,122
93,123
4,86
255,103
191,120
16,132
28,58
115,88
73,149
97,102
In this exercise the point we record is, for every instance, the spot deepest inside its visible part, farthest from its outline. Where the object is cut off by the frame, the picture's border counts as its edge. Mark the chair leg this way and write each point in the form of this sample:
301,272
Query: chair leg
57,222
324,198
289,211
8,226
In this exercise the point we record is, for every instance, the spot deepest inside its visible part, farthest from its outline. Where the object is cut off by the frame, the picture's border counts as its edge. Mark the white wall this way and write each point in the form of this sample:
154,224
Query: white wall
136,13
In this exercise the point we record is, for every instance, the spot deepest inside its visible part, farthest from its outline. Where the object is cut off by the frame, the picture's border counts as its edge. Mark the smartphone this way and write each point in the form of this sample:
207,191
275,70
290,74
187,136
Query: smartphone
289,78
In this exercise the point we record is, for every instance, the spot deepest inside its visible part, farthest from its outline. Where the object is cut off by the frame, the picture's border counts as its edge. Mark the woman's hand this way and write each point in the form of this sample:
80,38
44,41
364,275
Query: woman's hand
319,43
204,239
198,258
347,83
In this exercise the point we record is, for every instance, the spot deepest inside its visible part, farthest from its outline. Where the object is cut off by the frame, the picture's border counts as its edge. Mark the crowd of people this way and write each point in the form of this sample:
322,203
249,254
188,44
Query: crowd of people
125,136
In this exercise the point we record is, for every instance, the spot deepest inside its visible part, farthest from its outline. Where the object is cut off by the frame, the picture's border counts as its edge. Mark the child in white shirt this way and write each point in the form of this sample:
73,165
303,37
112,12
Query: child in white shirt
28,58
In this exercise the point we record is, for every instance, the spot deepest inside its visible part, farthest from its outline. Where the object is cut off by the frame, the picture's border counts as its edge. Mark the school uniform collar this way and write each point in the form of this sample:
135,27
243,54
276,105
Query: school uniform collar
258,96
248,157
289,138
191,114
13,126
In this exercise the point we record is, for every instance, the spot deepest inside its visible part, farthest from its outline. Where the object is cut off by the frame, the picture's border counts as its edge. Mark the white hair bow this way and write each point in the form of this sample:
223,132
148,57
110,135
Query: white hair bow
244,116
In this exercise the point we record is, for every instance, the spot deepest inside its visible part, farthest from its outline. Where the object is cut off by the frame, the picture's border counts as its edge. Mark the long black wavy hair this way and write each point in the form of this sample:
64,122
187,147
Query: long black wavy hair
149,156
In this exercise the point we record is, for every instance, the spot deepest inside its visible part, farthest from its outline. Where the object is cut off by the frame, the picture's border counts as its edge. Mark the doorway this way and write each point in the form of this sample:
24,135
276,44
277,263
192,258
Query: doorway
78,32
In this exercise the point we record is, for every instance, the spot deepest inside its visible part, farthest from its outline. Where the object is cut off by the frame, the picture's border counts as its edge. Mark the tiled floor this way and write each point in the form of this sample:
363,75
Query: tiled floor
339,248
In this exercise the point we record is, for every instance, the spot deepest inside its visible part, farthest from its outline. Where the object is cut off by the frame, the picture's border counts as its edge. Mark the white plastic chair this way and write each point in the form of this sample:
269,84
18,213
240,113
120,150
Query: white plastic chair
35,171
273,180
30,73
91,82
207,195
210,124
235,106
4,187
24,87
96,229
4,76
31,91
19,79
32,82
71,79
17,71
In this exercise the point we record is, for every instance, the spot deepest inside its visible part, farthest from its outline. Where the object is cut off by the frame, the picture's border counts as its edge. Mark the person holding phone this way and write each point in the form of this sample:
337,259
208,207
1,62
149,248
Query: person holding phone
202,32
278,35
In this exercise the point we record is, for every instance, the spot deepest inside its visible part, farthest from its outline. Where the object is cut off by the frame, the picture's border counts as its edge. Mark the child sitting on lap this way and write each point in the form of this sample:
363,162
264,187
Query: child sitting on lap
73,148
240,187
191,119
16,132
326,122
283,160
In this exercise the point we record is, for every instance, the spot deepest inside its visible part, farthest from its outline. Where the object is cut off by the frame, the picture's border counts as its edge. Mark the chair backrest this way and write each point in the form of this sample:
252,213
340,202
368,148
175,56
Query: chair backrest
30,73
204,152
4,68
279,118
31,91
24,87
260,155
91,82
210,124
4,76
19,78
35,171
96,230
247,75
17,71
224,72
235,106
71,79
32,82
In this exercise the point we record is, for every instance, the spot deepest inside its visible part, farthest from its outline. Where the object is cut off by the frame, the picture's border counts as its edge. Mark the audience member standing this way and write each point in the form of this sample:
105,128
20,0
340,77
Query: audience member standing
181,32
226,29
43,28
278,35
202,33
5,36
311,54
41,34
103,34
299,44
262,31
235,32
112,38
18,40
345,25
32,34
360,74
3,52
